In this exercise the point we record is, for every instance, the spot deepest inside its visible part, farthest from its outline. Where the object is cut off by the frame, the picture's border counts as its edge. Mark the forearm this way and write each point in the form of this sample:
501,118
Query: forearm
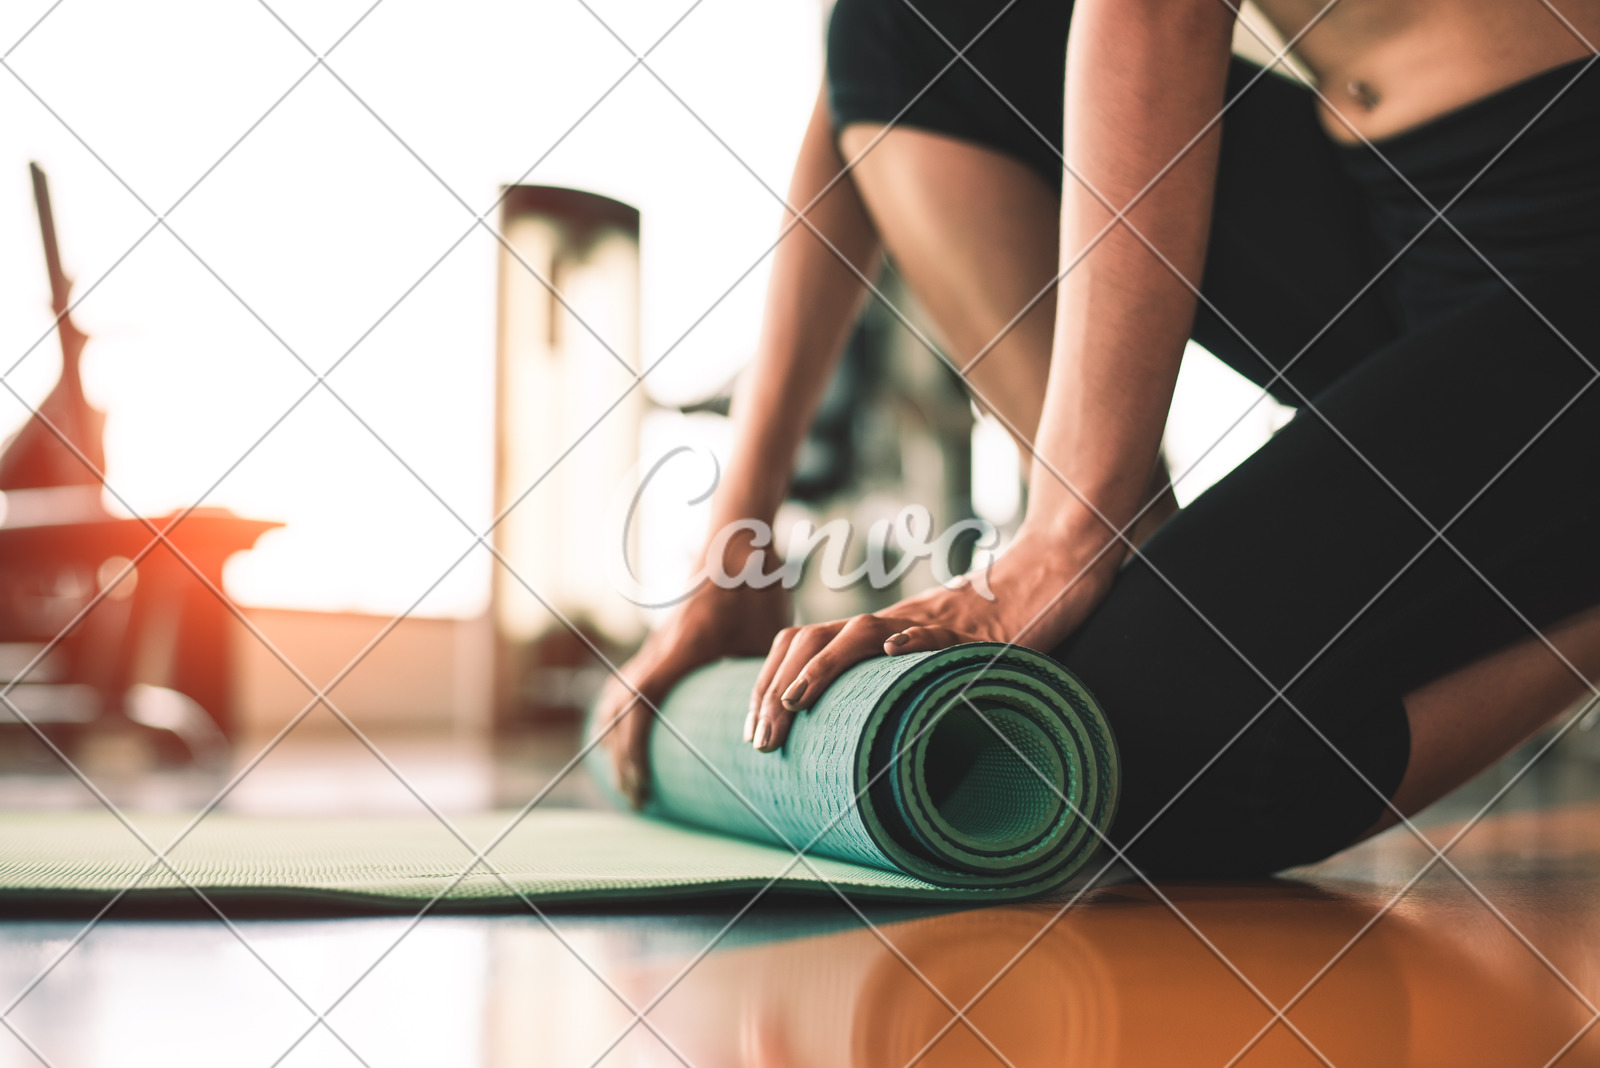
812,302
1144,77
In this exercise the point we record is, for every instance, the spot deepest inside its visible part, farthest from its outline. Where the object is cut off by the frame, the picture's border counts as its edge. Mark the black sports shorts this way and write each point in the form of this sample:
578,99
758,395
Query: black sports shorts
1437,493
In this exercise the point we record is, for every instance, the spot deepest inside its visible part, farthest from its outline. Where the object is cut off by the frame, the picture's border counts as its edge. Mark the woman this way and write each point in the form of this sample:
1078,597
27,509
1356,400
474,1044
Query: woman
1347,621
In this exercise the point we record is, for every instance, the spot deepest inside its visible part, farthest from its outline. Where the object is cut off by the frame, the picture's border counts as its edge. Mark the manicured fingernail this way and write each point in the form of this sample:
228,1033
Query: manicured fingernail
750,726
895,639
792,695
763,734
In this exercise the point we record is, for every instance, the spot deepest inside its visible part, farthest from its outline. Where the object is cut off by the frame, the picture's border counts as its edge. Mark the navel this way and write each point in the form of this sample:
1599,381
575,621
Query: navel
1363,94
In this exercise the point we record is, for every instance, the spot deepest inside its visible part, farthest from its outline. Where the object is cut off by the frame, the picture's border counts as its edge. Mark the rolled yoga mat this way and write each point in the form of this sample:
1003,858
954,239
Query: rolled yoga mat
971,773
895,767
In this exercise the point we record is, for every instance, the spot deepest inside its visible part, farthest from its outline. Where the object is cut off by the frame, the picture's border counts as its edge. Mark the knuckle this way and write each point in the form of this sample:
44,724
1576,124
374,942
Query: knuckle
821,665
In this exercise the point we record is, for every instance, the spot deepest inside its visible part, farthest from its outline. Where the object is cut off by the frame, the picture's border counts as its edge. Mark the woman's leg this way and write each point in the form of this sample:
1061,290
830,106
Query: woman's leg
1506,697
975,234
1264,663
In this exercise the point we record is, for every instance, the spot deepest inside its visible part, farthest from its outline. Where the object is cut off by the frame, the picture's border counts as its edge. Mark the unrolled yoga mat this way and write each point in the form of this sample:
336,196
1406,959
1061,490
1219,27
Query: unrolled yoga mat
965,774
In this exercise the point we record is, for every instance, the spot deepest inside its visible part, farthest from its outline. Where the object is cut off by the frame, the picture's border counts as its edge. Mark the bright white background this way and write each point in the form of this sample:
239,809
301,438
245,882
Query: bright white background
320,221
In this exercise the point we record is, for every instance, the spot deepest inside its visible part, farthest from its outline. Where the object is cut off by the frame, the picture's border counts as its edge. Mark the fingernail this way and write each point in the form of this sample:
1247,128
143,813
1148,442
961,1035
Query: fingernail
792,695
750,726
895,639
763,734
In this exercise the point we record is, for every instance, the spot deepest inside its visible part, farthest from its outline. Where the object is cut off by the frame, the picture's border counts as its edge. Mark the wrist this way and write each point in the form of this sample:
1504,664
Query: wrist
1077,547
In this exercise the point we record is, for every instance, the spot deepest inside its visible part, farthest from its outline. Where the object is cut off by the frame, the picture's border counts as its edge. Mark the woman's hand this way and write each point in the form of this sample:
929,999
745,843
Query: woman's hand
1042,588
713,623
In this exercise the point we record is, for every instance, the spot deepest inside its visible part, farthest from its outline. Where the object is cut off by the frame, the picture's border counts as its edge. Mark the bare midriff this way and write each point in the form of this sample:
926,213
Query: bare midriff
1385,66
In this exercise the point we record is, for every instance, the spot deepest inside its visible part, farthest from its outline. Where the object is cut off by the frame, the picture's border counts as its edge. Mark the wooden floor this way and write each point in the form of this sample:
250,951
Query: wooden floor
1385,955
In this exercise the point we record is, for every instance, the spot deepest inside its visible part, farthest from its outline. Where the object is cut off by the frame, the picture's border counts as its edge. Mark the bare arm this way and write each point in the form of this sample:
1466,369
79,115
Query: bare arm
1144,78
812,301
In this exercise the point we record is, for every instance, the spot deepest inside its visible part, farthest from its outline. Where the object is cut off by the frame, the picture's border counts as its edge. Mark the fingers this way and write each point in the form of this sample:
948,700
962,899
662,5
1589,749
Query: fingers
776,708
921,640
625,719
814,658
769,670
631,753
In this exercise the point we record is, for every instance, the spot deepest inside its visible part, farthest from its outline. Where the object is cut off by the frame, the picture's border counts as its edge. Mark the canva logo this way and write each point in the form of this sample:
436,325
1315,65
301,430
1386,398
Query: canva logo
892,547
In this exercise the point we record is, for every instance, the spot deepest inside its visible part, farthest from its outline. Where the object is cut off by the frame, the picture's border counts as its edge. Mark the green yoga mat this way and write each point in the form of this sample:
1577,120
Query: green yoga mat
893,784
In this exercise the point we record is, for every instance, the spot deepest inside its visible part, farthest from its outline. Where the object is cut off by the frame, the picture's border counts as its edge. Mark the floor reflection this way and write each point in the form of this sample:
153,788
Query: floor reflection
1443,977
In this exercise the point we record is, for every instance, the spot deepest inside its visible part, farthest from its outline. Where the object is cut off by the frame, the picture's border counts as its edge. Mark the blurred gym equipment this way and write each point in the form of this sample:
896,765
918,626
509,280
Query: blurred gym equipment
110,641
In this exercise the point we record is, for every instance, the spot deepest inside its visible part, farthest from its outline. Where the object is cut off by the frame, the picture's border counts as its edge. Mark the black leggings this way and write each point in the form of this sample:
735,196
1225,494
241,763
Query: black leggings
1438,399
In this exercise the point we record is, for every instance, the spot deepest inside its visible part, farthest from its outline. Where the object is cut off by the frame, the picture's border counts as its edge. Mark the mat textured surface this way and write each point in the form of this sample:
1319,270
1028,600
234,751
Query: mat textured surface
959,774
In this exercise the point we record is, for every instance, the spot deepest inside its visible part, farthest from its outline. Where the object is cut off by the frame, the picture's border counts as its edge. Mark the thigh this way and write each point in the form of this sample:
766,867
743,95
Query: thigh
1314,566
973,232
1292,252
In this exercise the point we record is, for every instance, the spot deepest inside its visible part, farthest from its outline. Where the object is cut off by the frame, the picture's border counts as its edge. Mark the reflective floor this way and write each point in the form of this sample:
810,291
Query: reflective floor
1373,958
